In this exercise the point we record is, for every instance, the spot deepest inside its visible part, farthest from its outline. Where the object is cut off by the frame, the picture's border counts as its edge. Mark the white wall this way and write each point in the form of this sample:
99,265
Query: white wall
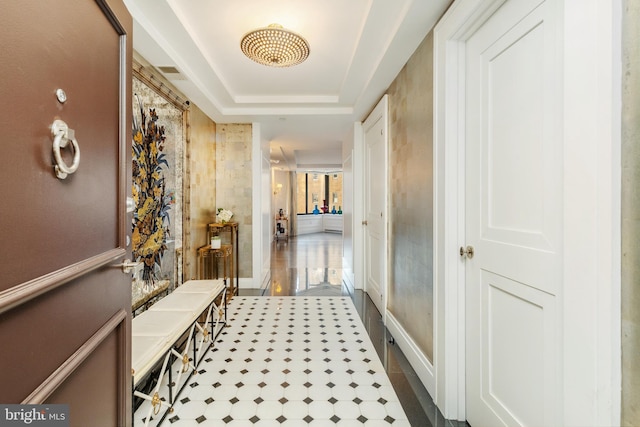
261,166
281,199
347,208
355,215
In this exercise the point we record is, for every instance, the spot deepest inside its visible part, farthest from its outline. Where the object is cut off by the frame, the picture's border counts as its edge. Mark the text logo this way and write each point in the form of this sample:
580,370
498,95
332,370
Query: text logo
34,415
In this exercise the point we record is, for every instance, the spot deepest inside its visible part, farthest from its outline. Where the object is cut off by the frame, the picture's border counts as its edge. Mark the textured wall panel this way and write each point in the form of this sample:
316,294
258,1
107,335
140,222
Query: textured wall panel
411,189
630,214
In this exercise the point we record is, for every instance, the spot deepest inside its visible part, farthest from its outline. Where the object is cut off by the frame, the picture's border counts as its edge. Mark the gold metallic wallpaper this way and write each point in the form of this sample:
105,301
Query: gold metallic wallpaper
234,184
200,187
631,214
411,189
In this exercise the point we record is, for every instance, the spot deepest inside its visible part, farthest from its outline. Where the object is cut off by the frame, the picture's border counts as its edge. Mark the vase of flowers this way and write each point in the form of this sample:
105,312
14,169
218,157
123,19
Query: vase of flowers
224,215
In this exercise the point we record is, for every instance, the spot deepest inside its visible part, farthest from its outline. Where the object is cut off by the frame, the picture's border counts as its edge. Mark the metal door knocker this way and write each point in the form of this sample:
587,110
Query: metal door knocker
62,135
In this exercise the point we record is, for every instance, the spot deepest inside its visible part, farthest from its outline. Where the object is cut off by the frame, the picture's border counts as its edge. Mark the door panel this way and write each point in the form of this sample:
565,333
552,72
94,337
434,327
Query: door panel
62,237
65,217
514,214
95,374
375,206
55,324
517,335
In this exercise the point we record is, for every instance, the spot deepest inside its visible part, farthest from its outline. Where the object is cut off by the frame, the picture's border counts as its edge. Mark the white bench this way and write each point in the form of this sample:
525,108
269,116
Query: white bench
155,333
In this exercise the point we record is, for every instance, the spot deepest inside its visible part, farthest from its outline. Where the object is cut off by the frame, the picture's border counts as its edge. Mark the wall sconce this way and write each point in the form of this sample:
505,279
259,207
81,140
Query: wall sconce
277,189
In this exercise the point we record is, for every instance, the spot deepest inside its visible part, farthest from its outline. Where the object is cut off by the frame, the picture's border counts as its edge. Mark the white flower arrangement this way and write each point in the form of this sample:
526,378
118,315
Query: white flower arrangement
224,215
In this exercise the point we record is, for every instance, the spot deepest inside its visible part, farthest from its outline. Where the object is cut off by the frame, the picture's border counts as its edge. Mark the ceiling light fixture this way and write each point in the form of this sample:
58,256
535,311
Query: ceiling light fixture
274,46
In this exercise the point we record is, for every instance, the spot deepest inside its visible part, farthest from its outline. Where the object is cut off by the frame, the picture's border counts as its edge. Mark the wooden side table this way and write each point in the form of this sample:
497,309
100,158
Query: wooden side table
214,229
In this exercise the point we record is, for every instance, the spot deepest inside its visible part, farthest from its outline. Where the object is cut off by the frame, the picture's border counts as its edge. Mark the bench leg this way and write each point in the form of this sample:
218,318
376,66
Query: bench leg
204,338
186,362
156,401
219,322
216,325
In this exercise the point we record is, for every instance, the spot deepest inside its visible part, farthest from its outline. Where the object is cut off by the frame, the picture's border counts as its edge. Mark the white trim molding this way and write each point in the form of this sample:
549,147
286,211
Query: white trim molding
261,198
358,206
421,365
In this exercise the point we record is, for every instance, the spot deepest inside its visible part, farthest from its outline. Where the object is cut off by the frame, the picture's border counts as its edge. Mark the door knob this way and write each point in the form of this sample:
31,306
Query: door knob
365,222
468,251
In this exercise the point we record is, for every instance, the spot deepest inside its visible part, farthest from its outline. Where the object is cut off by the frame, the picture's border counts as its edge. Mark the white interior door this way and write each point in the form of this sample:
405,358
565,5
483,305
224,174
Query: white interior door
375,154
514,217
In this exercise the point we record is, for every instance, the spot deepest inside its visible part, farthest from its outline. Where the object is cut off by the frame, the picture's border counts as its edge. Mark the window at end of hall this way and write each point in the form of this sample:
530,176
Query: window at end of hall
317,190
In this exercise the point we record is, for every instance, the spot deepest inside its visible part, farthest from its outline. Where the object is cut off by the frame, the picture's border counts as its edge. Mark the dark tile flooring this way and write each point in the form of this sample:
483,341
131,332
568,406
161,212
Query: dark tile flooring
311,265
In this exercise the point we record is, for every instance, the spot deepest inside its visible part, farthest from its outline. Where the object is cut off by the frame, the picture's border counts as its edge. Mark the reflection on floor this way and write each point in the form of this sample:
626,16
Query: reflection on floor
310,265
307,265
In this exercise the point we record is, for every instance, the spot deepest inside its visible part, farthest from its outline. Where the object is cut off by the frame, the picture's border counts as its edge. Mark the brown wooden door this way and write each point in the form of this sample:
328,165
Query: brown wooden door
64,308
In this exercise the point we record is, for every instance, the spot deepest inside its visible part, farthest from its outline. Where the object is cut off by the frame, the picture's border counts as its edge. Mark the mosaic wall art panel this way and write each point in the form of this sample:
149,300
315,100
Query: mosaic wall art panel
157,184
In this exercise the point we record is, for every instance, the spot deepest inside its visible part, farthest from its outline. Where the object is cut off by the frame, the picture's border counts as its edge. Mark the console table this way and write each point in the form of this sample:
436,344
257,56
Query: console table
215,229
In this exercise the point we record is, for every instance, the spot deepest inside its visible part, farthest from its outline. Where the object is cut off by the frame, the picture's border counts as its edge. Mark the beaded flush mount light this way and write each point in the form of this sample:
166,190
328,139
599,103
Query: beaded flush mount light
274,46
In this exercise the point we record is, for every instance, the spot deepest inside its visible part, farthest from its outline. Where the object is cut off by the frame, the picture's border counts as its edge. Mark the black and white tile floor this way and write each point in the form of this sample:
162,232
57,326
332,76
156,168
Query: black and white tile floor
289,361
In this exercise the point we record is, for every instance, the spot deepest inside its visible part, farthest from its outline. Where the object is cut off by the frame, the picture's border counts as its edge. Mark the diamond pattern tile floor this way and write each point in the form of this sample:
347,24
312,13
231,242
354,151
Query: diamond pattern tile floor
289,361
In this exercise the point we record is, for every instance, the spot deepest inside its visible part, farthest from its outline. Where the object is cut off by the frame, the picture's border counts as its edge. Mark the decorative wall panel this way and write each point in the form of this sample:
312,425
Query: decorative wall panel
157,183
200,186
234,184
410,297
630,214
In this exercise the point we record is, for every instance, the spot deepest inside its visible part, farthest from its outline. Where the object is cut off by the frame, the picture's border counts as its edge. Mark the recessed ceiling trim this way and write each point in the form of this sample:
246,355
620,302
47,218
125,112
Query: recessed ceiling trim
224,87
288,111
286,99
319,167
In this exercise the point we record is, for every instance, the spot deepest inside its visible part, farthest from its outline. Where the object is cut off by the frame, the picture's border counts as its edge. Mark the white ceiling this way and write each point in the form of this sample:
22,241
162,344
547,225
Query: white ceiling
305,111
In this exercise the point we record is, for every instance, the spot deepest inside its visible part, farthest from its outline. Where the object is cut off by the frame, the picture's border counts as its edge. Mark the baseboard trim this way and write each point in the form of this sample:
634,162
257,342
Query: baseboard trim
418,361
347,278
248,283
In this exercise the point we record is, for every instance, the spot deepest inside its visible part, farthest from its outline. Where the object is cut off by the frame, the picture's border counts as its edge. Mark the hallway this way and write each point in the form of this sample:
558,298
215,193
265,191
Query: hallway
310,265
302,365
